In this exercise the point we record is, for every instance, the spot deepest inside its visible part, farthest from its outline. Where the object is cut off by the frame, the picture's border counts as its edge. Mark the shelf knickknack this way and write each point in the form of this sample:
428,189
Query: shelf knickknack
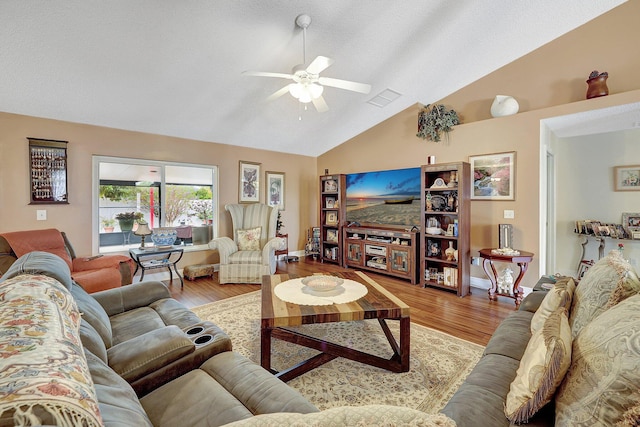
434,120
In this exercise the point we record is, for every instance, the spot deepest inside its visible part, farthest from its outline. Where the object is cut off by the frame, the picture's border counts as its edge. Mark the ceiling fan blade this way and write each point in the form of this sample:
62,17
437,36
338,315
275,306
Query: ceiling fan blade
319,64
267,74
278,93
320,104
345,84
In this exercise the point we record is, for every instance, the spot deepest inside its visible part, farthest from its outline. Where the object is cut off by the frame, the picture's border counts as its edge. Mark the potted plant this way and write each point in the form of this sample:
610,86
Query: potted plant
126,220
433,120
108,224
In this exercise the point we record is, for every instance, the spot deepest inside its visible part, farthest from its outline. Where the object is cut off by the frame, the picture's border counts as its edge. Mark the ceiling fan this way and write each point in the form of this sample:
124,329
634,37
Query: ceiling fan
308,86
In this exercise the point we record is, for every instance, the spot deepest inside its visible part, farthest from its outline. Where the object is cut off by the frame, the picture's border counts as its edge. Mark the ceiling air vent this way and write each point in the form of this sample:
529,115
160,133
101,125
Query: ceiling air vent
384,98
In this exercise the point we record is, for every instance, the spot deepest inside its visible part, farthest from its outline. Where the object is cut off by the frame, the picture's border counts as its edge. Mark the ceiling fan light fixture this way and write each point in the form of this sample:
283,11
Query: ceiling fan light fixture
315,90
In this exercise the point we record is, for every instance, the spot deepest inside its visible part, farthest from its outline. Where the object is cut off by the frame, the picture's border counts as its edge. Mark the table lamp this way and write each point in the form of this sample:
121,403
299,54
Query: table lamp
143,230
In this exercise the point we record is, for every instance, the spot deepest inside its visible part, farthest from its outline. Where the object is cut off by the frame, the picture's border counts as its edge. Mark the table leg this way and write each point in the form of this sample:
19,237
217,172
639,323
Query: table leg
175,267
492,274
516,285
265,348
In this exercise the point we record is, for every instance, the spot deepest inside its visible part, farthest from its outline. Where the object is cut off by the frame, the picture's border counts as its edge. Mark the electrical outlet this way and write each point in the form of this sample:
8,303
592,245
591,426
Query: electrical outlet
41,215
509,214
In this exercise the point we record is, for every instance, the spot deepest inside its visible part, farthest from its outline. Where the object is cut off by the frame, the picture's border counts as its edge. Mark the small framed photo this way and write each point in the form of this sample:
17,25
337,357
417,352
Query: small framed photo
330,202
330,186
332,235
275,189
631,224
626,178
249,185
493,176
331,218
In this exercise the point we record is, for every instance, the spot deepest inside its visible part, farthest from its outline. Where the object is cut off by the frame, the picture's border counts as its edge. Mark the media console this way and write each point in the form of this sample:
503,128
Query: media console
391,251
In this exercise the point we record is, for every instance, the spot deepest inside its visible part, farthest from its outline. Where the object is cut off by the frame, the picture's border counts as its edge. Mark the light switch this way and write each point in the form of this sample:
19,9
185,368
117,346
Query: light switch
41,214
509,214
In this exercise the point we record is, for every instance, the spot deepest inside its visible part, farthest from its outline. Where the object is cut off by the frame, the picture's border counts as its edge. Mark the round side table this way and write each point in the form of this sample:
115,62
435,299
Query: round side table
522,260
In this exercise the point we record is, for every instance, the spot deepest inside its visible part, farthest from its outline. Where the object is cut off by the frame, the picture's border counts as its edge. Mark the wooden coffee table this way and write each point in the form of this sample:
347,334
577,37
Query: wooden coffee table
379,304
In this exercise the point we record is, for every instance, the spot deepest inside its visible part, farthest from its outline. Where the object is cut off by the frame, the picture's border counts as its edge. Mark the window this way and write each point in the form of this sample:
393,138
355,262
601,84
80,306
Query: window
163,194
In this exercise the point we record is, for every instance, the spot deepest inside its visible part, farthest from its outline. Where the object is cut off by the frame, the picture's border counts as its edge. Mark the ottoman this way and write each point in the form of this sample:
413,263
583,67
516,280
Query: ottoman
198,270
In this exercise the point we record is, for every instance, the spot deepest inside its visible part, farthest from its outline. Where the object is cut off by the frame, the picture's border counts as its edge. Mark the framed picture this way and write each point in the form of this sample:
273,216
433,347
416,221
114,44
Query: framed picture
275,189
330,186
331,218
631,224
330,202
626,178
48,171
332,235
493,176
249,184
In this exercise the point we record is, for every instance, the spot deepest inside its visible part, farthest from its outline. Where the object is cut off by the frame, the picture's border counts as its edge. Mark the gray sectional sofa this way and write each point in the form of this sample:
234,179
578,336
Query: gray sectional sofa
579,367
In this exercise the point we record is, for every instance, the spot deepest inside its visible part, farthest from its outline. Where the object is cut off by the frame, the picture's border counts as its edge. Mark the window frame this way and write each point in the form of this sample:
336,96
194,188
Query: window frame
95,192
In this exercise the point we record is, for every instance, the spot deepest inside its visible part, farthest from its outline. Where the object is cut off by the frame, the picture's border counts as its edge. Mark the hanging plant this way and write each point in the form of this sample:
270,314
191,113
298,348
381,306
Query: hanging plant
435,120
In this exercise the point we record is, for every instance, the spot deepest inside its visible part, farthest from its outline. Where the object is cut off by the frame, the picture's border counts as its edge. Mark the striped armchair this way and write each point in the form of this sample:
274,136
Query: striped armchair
251,252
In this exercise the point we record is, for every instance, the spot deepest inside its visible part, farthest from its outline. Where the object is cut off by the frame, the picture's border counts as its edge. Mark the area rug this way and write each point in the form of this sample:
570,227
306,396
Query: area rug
439,362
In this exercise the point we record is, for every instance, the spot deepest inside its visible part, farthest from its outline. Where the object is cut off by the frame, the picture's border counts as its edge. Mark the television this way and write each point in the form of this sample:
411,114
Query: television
388,197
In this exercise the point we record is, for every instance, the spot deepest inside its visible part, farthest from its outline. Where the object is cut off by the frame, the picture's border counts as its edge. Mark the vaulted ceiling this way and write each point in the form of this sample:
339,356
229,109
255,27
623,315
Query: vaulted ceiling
175,67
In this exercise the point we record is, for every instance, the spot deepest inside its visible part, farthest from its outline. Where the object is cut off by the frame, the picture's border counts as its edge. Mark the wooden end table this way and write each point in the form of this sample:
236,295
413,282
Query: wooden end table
377,304
522,260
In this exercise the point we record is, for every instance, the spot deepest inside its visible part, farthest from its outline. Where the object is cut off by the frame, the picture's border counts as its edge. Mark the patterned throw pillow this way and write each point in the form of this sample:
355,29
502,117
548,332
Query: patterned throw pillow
559,296
601,387
609,281
542,368
249,240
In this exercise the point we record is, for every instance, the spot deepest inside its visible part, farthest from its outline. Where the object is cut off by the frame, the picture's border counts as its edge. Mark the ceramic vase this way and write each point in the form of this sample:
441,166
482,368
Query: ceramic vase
449,252
504,105
597,86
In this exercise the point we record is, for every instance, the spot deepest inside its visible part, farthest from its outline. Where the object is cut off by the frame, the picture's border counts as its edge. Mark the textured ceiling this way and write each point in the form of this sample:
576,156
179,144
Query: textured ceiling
174,67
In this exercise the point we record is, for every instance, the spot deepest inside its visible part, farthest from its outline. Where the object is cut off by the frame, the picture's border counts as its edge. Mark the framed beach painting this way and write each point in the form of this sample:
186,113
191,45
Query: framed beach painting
626,178
275,189
249,184
493,176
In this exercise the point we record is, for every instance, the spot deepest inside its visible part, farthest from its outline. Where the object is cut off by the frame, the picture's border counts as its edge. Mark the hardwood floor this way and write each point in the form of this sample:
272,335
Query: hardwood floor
473,318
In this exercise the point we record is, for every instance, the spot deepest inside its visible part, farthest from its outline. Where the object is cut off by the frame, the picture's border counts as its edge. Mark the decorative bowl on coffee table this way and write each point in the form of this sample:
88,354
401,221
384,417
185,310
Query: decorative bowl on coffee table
322,283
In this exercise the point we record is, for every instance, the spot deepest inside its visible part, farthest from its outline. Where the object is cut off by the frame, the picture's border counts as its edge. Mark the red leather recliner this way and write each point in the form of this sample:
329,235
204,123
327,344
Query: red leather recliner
93,274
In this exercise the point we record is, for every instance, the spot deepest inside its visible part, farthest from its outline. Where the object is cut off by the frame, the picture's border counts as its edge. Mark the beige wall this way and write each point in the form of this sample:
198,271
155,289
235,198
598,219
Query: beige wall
85,141
548,82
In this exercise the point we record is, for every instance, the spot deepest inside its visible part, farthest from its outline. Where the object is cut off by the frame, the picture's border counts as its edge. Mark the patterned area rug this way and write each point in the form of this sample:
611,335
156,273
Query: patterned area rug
439,362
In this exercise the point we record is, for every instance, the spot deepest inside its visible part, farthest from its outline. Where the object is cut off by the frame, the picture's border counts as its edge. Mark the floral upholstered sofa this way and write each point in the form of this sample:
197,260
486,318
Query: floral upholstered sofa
568,357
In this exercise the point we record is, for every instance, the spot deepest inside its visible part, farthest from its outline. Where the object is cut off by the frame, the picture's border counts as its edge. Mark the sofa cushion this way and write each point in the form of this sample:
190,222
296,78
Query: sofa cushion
601,387
511,336
146,353
92,341
482,395
118,403
132,323
608,282
245,257
249,240
542,368
93,313
559,296
43,368
41,263
368,415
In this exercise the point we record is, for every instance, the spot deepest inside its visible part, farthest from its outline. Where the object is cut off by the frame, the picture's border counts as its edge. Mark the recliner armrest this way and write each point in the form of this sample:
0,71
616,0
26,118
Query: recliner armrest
532,301
142,294
145,354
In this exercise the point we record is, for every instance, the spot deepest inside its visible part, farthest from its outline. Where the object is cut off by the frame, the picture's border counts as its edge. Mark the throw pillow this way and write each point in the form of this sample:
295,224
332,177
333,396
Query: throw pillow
601,387
542,368
609,281
249,240
559,295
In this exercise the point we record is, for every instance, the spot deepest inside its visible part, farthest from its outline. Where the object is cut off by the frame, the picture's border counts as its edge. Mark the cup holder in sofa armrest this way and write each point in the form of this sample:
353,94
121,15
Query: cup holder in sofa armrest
202,340
195,330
